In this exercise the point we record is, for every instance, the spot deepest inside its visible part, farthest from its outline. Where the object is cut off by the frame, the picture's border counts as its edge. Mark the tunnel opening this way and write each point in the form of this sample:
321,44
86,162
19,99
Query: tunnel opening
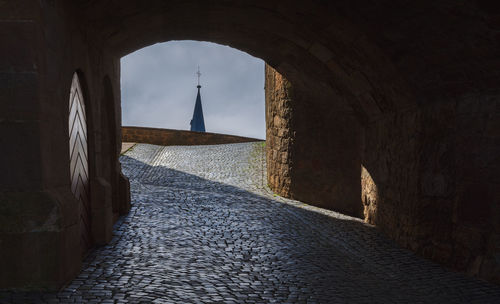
423,101
101,35
158,88
161,88
340,85
335,127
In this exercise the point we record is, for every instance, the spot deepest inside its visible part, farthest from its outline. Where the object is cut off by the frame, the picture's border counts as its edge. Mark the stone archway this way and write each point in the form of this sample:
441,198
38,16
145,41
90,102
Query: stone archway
349,70
334,91
418,80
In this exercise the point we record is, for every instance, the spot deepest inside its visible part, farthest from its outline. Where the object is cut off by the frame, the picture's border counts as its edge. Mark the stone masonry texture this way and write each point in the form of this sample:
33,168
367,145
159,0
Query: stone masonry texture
419,150
279,136
204,228
167,137
390,112
298,167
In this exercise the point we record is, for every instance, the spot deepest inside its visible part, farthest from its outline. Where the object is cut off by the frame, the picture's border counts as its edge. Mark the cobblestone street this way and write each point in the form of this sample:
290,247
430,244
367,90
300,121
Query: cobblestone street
205,229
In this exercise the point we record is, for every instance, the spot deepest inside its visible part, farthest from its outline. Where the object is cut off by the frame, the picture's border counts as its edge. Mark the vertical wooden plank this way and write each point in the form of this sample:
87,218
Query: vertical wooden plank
79,160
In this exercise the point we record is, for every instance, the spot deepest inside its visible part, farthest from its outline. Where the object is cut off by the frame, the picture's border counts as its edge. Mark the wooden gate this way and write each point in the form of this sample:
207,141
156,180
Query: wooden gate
79,165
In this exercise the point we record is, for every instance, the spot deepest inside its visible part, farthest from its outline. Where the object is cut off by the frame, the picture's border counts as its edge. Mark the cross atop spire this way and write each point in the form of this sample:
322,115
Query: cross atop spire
198,123
199,75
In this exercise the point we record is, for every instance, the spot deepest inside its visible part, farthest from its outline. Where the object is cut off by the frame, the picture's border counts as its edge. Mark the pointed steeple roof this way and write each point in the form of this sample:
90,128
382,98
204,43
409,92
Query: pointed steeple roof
198,123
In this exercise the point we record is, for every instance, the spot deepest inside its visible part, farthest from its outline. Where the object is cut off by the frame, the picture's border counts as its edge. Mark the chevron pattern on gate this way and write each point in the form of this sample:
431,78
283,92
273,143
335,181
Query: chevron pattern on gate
79,167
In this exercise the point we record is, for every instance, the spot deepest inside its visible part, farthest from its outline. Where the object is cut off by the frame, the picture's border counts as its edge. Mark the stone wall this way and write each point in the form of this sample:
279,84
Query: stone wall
427,174
313,150
434,175
39,230
279,133
167,137
409,91
390,175
42,47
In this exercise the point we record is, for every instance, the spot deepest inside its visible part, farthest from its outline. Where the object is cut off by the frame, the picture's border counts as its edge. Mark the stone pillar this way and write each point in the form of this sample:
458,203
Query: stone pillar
39,233
124,194
102,211
279,133
313,151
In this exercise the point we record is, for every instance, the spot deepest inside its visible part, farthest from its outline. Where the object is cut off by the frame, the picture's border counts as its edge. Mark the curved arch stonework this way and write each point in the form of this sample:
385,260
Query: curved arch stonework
407,91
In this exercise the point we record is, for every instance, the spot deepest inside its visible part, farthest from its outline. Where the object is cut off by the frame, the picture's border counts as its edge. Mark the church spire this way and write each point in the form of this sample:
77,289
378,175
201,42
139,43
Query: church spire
198,123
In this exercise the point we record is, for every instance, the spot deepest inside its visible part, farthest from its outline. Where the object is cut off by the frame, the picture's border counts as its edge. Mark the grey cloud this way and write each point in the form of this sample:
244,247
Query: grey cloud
159,88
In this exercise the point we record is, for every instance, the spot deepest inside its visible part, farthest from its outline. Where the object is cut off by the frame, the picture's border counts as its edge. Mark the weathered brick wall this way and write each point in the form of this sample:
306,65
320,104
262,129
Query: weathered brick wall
167,137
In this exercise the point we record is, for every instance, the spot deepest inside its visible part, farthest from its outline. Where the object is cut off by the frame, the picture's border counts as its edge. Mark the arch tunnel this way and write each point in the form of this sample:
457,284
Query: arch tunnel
407,91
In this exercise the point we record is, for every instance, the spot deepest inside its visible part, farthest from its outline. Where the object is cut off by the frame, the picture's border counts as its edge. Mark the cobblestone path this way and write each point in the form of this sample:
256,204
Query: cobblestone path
203,229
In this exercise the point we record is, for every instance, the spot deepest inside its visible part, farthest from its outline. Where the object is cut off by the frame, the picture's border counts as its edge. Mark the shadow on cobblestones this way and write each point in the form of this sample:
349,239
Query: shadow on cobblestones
189,239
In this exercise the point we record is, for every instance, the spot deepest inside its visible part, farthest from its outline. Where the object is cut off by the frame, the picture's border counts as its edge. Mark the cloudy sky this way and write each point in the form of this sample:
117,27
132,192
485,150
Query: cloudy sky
158,86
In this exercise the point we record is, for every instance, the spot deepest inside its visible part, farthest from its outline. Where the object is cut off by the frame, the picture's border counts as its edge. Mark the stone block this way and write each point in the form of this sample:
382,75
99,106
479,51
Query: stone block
474,203
124,194
101,211
19,44
37,253
19,95
19,10
20,146
321,52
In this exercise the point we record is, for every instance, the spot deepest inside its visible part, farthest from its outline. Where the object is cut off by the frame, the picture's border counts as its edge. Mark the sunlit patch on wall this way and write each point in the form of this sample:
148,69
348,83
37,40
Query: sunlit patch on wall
369,195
